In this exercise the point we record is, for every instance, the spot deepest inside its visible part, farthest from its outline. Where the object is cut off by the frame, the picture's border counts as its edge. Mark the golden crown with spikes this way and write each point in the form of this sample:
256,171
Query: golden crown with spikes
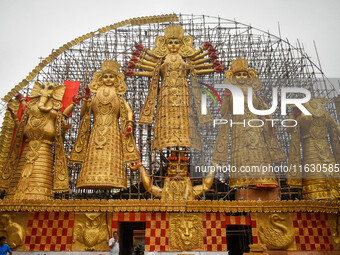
174,32
239,65
110,66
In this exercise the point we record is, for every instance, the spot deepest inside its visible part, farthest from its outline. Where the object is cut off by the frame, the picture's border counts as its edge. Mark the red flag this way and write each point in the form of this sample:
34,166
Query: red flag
71,90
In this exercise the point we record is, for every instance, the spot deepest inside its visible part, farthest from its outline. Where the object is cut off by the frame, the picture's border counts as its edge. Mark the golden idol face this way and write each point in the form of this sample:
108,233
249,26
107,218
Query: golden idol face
47,89
173,45
241,77
177,169
109,79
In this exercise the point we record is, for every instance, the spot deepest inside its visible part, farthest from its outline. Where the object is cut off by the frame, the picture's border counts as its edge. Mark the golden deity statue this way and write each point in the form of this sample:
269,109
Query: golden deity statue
28,172
319,178
110,146
173,57
251,146
177,184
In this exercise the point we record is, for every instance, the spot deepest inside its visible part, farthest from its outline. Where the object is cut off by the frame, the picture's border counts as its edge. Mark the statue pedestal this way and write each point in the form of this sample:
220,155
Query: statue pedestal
254,194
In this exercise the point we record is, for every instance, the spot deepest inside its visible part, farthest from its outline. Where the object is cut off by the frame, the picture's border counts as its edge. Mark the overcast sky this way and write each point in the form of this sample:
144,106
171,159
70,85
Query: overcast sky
32,28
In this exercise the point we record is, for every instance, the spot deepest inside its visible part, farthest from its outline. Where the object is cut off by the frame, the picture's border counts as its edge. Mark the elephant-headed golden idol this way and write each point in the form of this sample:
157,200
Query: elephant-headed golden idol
31,171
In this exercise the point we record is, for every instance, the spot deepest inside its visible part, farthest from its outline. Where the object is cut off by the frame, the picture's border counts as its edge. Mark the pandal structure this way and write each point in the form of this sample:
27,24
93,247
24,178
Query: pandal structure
277,63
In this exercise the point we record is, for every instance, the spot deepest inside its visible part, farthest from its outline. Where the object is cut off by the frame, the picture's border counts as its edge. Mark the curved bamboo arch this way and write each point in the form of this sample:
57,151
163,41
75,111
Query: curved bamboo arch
66,46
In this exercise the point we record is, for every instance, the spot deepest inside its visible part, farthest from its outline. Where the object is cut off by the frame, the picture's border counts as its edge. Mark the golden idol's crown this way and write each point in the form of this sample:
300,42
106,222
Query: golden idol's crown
174,32
110,66
239,65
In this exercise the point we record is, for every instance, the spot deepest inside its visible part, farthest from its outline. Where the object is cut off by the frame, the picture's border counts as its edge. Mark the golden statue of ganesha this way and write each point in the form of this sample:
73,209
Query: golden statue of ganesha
173,58
28,172
103,153
319,178
250,145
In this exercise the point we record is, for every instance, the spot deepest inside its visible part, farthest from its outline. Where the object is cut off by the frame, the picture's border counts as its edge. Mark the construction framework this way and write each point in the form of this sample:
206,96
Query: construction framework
276,60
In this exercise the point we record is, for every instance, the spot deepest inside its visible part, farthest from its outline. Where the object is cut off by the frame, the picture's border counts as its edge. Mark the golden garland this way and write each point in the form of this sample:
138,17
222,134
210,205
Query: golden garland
169,206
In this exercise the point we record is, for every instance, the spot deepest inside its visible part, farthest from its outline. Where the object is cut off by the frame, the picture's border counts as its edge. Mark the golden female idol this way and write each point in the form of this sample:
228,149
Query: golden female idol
316,171
110,145
250,145
173,57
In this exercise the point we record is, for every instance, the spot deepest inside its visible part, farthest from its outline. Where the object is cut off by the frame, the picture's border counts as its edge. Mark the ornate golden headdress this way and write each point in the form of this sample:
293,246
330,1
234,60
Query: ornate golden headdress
174,32
239,65
177,32
109,66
